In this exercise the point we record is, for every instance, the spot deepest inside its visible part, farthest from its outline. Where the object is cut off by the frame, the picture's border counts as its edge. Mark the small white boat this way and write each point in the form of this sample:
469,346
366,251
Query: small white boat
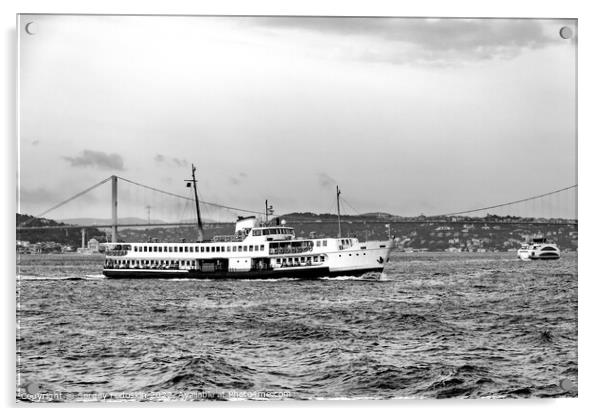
538,249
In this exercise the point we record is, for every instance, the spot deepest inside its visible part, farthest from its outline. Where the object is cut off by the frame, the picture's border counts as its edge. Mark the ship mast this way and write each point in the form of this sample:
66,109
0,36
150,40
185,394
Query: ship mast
339,209
268,210
196,201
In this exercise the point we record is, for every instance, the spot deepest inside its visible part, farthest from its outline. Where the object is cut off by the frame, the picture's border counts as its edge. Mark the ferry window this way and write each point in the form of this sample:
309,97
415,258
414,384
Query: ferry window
245,248
256,248
321,258
181,249
196,249
256,232
315,258
160,249
278,261
185,249
228,249
145,249
223,249
250,248
261,247
266,232
317,244
202,249
324,242
239,248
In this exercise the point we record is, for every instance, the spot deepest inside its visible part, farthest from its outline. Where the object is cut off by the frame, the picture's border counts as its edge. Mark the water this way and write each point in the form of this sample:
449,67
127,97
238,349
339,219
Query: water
436,326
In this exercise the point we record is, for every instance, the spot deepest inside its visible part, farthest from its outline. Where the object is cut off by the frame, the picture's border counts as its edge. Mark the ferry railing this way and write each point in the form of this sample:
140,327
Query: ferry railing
227,238
116,252
254,269
293,250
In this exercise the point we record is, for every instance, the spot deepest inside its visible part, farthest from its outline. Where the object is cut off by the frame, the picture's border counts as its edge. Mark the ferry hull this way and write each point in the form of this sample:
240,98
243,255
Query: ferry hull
308,273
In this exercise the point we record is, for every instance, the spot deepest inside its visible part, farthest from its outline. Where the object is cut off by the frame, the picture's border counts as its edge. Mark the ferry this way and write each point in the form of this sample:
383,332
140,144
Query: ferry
538,249
257,250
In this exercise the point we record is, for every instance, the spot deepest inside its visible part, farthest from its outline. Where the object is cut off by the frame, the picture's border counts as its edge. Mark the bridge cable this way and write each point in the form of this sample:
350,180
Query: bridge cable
507,203
65,201
188,198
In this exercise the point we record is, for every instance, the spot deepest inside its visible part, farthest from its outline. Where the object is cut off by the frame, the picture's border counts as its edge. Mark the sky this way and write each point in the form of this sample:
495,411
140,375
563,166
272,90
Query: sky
407,116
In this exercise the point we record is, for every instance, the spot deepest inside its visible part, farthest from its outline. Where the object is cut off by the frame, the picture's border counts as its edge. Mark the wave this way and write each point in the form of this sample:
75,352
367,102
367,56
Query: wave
36,278
77,277
298,331
207,372
366,277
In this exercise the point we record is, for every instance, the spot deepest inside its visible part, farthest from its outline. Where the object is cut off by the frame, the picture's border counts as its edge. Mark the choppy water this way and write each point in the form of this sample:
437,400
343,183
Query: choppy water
437,326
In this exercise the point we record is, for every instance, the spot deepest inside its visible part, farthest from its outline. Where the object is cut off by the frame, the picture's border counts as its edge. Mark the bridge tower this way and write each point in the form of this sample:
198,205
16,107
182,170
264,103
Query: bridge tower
114,208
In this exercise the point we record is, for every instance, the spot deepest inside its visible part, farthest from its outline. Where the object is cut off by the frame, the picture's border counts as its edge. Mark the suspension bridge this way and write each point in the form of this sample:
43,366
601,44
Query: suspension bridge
520,211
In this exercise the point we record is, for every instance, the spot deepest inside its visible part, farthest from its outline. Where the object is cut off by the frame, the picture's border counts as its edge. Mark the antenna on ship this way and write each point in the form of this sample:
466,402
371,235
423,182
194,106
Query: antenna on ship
339,209
196,201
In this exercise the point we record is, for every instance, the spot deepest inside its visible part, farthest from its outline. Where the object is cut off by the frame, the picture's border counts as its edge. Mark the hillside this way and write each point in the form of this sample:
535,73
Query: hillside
71,237
490,234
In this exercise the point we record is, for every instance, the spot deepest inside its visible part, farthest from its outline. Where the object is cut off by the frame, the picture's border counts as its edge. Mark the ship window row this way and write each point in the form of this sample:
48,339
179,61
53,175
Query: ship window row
270,231
321,243
148,263
197,249
290,261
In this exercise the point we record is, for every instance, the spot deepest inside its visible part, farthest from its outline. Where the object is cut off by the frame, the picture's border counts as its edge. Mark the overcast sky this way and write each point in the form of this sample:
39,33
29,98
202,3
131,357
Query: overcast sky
407,116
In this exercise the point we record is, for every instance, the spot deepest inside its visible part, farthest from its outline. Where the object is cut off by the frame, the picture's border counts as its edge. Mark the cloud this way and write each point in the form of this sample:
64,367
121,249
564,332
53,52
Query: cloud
238,179
326,181
100,160
427,40
171,161
179,162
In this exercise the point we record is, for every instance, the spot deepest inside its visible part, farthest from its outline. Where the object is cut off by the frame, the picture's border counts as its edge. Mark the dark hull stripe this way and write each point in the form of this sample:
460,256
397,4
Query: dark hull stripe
313,273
